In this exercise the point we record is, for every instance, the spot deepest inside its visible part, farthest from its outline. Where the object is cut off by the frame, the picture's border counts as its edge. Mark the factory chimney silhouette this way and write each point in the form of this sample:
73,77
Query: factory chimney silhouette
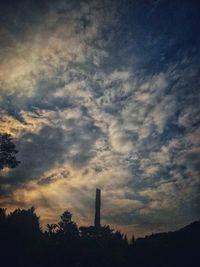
97,218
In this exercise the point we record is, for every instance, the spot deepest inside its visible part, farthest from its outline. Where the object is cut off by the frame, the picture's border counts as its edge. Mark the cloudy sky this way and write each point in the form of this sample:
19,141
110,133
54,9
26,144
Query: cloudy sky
103,94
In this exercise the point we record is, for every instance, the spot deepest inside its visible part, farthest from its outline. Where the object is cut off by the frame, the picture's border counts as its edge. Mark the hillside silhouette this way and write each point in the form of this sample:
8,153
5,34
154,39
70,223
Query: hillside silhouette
23,243
179,248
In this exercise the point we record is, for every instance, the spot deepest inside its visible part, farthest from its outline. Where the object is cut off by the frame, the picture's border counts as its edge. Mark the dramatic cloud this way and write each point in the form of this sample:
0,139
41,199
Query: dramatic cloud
102,94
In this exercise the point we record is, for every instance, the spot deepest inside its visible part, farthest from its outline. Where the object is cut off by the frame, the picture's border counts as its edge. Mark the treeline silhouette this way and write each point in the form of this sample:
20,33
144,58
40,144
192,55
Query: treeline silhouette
23,243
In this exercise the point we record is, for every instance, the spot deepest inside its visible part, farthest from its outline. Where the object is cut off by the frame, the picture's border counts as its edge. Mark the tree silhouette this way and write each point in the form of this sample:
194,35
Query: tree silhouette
7,152
2,217
22,244
51,229
67,227
25,223
2,214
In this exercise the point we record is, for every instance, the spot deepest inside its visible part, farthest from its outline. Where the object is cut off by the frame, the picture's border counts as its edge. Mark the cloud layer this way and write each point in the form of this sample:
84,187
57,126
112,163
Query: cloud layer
96,95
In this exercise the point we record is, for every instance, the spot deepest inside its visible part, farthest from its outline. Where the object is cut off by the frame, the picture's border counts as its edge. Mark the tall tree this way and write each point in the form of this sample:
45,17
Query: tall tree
67,226
7,152
25,224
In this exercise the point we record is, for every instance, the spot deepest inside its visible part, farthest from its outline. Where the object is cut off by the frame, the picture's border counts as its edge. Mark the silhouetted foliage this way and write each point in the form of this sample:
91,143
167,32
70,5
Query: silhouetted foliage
51,229
21,237
25,223
67,227
7,152
132,240
23,243
2,215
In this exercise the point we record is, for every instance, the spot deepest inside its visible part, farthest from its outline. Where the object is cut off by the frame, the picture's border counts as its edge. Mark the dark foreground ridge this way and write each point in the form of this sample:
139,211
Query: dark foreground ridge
23,243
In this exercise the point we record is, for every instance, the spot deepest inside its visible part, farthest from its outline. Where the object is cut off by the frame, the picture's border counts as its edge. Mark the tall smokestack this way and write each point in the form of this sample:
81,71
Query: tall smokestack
97,208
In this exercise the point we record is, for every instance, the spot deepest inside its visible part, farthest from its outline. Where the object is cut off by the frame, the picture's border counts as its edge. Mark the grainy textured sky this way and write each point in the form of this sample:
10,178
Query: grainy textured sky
103,94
